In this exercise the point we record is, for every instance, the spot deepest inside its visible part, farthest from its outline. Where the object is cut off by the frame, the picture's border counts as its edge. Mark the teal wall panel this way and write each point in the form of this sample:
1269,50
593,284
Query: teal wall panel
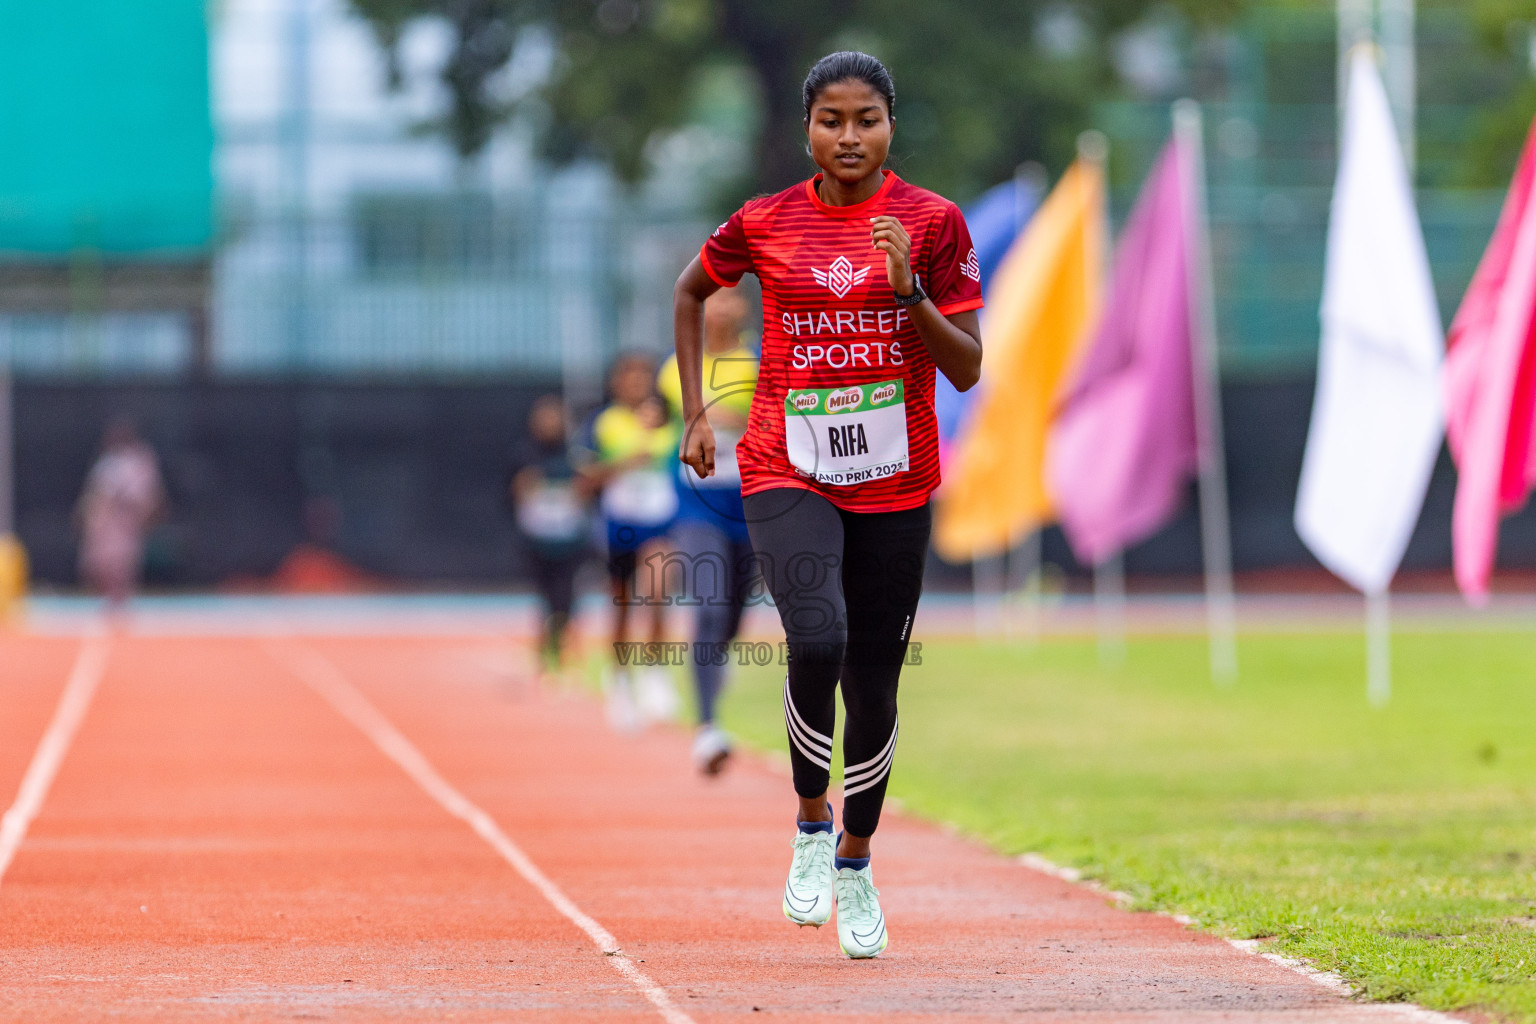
106,135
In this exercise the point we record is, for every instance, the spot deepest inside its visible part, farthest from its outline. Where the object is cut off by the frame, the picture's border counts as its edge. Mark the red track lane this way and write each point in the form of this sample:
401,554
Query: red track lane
32,675
222,844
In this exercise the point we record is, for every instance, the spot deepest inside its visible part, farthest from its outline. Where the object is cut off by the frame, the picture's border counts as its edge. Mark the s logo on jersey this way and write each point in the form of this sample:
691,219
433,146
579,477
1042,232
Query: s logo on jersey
840,277
971,268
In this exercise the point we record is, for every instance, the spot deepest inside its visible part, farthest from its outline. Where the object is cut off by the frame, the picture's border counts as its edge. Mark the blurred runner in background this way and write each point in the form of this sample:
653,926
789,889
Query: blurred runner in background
633,445
123,497
549,498
711,529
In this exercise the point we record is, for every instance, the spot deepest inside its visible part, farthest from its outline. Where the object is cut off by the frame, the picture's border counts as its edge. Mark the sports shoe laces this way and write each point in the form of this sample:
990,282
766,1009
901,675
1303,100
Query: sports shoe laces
861,890
813,866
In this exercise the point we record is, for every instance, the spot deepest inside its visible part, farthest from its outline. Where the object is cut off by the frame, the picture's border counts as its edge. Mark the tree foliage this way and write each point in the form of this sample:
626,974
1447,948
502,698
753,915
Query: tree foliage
981,85
1506,27
484,32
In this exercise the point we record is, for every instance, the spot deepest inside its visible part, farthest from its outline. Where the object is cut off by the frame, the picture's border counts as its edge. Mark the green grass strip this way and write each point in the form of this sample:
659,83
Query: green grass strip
1393,846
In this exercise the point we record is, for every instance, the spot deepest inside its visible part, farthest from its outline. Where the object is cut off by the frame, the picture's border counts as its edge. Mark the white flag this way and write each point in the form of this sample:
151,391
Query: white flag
1377,418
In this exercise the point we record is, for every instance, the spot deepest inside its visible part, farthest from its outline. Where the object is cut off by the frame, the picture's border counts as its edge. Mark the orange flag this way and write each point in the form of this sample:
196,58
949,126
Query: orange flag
1040,306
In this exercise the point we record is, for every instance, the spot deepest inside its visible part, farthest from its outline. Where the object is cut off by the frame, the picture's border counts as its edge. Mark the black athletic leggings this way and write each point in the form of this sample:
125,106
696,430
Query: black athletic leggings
846,585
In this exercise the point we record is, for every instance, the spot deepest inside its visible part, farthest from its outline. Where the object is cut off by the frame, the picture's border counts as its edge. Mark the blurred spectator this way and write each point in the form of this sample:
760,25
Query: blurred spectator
711,529
549,498
634,447
123,497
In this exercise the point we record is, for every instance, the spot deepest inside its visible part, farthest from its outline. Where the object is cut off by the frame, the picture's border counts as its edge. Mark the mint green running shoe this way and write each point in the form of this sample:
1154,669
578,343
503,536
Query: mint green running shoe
808,893
860,921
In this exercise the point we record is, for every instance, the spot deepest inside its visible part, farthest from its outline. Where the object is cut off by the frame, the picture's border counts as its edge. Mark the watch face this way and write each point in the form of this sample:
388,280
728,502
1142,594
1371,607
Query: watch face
918,295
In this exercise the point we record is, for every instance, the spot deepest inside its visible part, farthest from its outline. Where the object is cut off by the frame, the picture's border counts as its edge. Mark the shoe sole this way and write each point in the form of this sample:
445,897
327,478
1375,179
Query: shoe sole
870,955
803,922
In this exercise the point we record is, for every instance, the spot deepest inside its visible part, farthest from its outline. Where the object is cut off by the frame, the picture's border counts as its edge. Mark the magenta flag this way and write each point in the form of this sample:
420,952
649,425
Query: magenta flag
1490,385
1124,444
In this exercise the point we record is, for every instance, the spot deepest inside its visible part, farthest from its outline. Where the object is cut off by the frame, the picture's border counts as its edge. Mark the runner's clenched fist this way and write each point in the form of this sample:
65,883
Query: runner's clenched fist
891,238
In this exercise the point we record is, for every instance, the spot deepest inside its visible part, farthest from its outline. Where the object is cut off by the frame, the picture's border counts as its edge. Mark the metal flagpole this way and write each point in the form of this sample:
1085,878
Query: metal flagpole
1024,583
1399,71
988,578
1399,74
1109,575
1357,23
1215,526
13,557
1109,608
295,131
1378,648
7,446
995,575
1022,575
1006,599
1029,182
1354,27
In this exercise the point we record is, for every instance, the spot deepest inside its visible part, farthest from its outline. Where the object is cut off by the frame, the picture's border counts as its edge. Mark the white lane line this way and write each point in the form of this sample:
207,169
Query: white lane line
327,680
1339,985
90,666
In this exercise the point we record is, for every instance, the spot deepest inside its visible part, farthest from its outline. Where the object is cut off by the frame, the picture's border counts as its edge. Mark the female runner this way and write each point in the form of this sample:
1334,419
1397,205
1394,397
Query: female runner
869,284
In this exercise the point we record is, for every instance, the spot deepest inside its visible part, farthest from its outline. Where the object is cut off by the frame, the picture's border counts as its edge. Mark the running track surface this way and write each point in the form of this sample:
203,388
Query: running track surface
226,839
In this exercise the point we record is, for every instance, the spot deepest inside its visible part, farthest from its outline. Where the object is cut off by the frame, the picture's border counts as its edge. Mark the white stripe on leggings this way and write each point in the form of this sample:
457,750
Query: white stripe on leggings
871,772
854,770
801,734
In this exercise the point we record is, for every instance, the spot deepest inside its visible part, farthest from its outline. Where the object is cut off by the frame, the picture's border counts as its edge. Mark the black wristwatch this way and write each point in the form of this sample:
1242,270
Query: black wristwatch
917,296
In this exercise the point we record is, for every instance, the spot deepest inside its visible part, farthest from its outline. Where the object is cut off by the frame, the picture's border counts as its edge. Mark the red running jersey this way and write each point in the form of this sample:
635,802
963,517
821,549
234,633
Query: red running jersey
844,401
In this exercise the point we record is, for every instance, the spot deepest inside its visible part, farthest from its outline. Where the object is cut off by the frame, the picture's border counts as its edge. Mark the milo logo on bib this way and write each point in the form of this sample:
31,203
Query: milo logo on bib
842,401
846,436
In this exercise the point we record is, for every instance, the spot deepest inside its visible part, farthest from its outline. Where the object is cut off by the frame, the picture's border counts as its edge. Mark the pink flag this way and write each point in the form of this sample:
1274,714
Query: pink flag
1124,447
1490,385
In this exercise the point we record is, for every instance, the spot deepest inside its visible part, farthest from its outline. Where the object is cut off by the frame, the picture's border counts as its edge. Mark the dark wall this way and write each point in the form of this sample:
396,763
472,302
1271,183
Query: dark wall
417,472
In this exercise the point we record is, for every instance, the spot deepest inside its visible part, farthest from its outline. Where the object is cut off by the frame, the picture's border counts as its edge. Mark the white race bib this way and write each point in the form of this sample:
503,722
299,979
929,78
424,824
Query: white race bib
551,513
645,497
846,436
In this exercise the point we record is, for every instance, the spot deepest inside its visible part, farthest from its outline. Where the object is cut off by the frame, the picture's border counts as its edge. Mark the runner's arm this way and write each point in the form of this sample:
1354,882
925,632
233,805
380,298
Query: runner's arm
692,288
954,341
